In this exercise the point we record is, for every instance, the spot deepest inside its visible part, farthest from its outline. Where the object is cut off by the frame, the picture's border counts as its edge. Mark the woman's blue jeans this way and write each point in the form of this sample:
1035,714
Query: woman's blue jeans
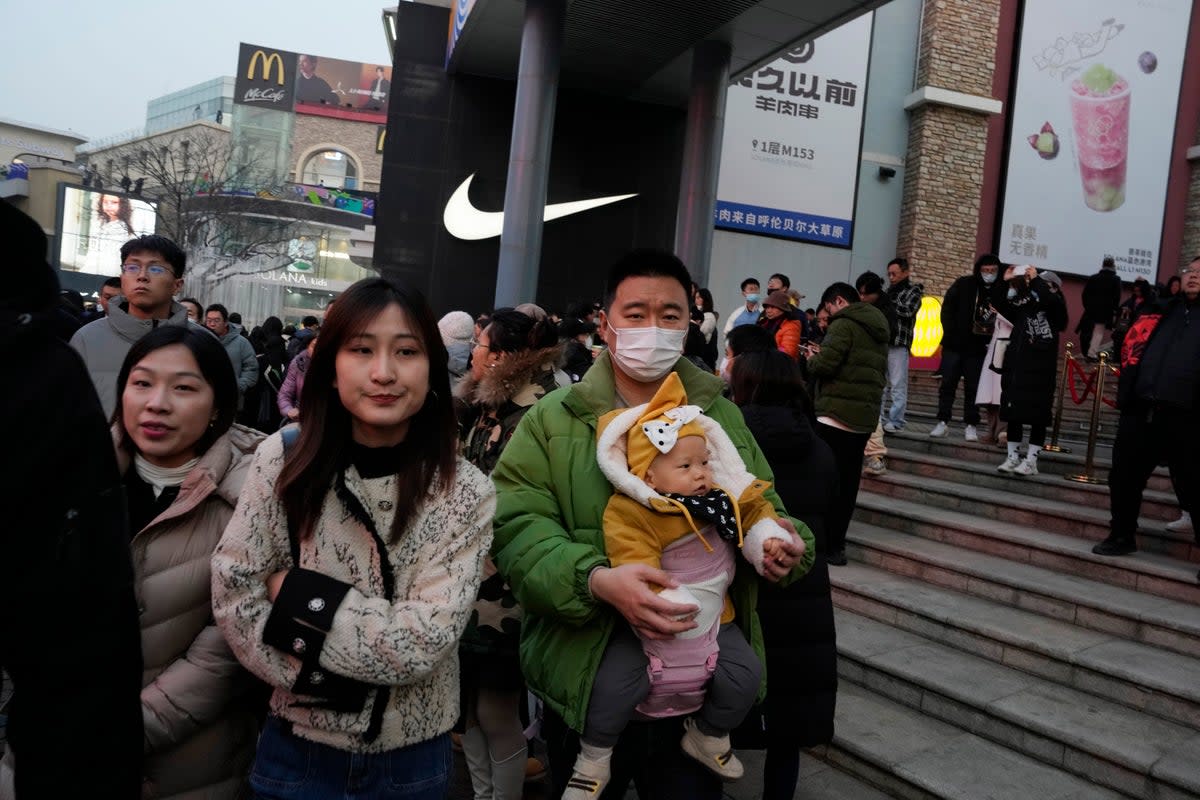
288,767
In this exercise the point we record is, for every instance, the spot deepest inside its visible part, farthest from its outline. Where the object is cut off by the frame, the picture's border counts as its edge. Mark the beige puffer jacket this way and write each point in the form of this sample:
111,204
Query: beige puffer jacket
199,730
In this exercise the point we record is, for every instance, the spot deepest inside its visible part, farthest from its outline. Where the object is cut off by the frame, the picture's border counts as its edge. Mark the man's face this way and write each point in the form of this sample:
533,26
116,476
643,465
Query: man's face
834,306
306,66
149,295
896,274
751,288
107,293
774,285
987,269
1191,281
216,323
643,302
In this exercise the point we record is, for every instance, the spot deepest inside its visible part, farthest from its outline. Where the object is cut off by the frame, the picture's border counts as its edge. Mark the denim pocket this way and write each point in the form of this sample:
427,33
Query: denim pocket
283,761
421,770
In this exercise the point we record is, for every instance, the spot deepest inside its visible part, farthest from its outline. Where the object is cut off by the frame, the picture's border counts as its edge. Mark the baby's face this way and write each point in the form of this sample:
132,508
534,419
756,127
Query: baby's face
684,470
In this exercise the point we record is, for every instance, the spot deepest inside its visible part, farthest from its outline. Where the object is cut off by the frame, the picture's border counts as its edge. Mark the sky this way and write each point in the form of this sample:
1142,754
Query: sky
91,67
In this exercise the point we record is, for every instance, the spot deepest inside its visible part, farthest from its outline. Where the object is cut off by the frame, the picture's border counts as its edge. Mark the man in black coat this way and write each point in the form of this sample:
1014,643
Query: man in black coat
1159,395
1101,299
967,322
69,634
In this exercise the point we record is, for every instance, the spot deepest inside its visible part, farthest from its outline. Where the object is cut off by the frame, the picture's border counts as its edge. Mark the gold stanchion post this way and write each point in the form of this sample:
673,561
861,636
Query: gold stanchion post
1054,446
1089,463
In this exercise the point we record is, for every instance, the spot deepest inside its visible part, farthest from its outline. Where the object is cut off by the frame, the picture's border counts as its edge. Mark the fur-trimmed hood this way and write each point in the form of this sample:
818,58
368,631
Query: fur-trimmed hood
512,379
729,471
756,518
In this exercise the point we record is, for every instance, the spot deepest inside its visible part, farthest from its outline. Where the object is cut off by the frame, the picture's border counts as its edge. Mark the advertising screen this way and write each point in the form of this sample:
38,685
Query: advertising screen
793,130
310,84
1093,119
95,224
347,89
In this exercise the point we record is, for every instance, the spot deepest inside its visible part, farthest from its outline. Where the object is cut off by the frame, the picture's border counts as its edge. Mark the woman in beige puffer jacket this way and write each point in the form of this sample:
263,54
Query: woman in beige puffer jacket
197,707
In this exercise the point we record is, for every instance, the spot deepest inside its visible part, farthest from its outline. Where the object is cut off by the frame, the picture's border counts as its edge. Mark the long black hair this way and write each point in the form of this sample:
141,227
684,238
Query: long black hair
325,425
768,378
215,368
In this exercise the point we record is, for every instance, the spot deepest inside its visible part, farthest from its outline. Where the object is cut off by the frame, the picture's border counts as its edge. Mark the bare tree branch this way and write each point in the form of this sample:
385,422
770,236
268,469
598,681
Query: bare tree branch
206,192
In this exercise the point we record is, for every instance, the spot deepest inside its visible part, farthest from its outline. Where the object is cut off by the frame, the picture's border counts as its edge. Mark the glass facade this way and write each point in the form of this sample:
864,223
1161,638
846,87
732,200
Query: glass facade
211,100
262,140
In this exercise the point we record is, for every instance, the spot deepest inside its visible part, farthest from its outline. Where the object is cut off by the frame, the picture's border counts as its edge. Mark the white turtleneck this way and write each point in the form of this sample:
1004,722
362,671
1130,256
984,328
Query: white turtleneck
160,478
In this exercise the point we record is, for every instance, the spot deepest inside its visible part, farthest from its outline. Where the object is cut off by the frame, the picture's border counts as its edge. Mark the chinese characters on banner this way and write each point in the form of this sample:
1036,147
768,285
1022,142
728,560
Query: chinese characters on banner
793,129
1093,122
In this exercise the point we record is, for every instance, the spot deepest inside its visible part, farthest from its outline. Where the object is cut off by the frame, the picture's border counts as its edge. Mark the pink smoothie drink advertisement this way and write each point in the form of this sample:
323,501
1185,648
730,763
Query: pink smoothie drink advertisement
1093,121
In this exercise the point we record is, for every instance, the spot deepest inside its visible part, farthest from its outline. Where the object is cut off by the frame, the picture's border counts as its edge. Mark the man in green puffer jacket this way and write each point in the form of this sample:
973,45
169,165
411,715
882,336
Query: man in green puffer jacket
550,545
848,371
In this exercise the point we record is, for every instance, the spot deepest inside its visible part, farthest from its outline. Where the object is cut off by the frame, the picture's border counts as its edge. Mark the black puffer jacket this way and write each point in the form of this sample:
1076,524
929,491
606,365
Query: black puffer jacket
68,618
797,621
966,321
1031,364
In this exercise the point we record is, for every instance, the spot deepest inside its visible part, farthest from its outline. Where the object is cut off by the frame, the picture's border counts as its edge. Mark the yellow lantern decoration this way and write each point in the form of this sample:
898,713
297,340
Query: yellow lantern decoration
927,336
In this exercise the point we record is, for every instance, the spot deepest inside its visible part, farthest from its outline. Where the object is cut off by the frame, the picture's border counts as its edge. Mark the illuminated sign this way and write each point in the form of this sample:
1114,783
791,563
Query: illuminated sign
465,221
265,77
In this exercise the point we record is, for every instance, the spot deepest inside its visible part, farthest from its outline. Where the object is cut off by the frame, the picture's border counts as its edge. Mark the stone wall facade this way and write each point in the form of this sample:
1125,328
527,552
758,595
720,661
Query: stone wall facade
1191,220
355,138
943,179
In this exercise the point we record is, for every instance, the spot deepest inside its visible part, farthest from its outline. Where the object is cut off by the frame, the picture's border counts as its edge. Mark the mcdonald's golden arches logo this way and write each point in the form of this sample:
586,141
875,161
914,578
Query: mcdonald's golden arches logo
268,61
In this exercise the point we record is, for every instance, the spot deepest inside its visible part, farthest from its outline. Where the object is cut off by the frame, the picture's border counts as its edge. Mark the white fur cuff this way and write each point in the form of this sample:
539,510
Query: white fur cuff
759,533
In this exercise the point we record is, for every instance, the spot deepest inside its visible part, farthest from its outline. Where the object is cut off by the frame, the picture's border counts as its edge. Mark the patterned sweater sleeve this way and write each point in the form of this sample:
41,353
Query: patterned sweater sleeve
405,640
254,546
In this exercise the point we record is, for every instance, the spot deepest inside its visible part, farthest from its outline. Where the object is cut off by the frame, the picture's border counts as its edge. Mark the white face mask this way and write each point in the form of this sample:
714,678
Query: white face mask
724,368
647,354
988,277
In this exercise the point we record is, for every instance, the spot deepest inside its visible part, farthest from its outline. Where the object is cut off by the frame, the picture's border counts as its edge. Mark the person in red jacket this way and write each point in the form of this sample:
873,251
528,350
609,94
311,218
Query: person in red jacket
778,320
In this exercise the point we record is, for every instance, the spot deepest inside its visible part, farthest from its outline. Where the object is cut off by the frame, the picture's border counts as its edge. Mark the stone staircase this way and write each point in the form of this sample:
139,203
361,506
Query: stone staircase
1076,419
985,652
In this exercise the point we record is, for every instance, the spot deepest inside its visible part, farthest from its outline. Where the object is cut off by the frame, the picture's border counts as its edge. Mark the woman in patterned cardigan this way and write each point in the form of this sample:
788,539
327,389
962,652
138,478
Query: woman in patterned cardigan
349,569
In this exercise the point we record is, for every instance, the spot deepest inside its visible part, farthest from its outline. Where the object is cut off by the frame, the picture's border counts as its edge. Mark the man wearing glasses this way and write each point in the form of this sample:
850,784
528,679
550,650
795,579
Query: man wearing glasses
151,275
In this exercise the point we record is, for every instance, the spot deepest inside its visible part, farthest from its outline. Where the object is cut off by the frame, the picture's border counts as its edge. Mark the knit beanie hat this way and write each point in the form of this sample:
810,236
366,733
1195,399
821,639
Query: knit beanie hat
667,418
457,326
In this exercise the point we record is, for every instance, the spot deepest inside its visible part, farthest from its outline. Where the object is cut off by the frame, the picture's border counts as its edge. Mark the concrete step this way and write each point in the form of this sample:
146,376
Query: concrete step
912,755
1070,731
1072,429
1073,415
819,780
1089,604
1156,505
1147,572
915,438
1138,676
1011,504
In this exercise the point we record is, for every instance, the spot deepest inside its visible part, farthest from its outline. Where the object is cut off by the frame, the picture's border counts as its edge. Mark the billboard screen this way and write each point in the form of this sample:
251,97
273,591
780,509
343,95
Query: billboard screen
347,89
793,130
94,225
1093,122
310,84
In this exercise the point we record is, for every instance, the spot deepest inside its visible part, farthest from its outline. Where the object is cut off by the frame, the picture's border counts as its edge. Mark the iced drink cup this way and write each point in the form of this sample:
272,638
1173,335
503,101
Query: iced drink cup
1101,122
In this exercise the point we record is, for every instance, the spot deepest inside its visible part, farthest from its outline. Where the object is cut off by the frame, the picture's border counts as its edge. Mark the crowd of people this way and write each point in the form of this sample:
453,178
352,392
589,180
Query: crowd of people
304,558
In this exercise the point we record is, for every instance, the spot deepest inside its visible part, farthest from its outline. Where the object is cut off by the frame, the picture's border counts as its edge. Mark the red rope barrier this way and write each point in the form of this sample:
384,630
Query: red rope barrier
1089,382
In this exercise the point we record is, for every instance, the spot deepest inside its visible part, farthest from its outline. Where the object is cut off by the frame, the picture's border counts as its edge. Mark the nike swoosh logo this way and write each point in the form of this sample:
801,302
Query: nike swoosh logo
465,221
